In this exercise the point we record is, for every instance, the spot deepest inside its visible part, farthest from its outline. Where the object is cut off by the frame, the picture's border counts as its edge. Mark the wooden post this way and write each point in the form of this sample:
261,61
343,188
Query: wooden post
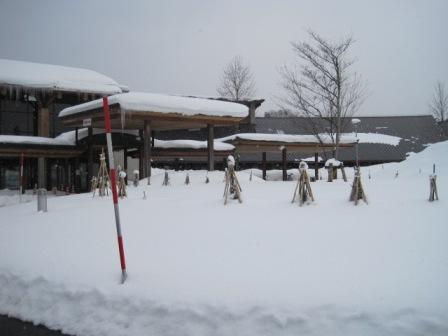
210,148
66,173
284,164
316,166
147,150
263,164
43,130
125,163
140,155
89,155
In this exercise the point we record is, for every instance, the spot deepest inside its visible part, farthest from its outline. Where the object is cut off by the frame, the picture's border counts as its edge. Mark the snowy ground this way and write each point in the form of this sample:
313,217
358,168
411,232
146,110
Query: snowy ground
264,267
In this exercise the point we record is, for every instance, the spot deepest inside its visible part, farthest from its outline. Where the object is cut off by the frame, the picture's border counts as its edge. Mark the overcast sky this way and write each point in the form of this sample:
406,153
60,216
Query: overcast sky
182,47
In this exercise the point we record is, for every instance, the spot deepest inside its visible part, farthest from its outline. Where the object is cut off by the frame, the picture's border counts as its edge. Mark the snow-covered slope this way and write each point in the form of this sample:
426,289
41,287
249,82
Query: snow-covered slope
264,267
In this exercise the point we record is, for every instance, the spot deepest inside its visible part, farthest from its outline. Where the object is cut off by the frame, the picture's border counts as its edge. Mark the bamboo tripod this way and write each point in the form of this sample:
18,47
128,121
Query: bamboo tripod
433,195
357,192
232,185
102,182
303,192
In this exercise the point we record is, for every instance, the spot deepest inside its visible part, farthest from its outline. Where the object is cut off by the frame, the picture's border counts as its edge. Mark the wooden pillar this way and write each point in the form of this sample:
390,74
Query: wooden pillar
77,176
316,166
147,150
66,174
284,164
263,165
43,130
140,155
210,148
125,163
90,155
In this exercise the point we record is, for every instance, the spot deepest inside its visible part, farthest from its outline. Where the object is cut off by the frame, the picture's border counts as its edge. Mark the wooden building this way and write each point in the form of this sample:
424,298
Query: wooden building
31,96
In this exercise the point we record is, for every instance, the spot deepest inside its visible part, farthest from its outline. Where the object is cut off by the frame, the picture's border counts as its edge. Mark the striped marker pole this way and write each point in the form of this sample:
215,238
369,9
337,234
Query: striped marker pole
113,181
22,159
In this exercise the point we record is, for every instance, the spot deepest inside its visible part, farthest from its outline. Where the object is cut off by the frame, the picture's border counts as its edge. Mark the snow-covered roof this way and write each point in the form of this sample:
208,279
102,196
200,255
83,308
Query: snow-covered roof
55,77
193,144
376,138
346,138
163,103
34,140
286,138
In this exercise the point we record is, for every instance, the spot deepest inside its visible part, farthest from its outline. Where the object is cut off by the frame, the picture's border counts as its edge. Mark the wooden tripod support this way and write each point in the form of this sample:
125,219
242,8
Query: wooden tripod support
433,195
303,192
232,185
102,181
357,192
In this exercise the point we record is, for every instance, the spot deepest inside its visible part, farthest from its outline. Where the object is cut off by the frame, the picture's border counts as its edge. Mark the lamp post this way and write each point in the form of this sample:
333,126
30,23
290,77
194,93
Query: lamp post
355,123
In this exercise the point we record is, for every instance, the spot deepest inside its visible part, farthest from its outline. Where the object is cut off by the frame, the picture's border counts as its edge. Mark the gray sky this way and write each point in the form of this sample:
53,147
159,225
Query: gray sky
182,46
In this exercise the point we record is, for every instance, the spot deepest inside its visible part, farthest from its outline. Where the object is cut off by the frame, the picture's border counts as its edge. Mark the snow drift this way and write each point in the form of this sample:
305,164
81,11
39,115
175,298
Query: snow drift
264,267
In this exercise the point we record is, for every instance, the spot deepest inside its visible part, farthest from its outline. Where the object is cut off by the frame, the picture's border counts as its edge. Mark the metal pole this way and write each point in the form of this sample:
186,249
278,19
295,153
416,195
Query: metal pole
114,187
357,154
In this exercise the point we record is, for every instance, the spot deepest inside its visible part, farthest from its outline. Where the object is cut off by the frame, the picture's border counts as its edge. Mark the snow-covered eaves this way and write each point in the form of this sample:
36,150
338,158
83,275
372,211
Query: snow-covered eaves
55,77
163,103
192,144
70,138
34,140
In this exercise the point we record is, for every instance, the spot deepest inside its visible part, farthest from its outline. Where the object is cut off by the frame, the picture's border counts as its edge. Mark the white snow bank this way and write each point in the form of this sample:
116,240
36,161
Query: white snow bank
162,103
47,76
263,267
193,144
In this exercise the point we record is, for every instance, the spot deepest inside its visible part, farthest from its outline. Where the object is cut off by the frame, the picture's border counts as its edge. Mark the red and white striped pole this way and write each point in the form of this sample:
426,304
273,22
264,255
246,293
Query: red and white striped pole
113,180
22,159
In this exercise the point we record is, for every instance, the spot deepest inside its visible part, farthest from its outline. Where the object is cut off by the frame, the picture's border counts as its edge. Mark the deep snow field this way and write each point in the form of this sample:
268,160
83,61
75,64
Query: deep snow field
263,267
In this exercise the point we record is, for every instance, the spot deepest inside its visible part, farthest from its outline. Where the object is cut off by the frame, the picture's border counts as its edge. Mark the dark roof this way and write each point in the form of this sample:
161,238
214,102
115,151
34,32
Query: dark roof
416,132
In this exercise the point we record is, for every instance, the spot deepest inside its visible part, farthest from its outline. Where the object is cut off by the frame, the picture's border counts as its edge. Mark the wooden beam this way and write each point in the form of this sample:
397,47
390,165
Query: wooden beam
210,148
316,166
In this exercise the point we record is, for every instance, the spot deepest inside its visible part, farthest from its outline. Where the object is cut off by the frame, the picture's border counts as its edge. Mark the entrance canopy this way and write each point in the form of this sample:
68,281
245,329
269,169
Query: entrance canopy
264,142
165,112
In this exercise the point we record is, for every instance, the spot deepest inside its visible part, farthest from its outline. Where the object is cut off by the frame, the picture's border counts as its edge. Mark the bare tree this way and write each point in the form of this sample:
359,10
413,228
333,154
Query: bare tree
237,81
439,102
324,90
